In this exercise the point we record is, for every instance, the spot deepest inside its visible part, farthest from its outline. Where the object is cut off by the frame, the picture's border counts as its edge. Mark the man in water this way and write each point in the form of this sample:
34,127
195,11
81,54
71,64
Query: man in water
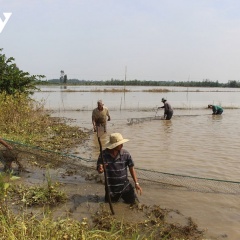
217,110
117,161
168,111
100,116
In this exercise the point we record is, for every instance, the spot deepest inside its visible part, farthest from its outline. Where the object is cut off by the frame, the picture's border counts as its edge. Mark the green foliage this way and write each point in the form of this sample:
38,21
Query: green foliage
4,185
47,194
13,80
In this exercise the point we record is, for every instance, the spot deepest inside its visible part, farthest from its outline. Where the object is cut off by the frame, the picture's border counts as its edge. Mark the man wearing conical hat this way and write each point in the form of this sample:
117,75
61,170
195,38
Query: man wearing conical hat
117,162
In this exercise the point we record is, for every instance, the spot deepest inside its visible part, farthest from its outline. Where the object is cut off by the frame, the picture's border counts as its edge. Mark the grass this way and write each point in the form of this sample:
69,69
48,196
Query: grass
25,120
42,195
157,90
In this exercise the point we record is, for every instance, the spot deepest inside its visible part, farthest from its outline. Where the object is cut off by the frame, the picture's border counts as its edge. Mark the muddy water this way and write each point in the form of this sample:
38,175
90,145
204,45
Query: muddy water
193,143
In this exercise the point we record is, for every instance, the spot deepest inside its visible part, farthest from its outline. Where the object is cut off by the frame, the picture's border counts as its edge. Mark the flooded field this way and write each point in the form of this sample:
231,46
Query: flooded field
194,143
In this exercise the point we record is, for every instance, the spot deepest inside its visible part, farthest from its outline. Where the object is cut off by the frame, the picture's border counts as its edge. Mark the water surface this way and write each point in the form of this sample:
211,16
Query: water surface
194,143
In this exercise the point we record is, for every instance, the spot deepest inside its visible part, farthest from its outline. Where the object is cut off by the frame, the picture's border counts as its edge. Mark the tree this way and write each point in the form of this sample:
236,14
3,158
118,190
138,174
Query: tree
13,80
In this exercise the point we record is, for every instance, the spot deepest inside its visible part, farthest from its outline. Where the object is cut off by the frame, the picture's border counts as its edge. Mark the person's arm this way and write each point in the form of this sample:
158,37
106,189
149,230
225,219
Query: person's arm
100,165
94,121
133,174
5,144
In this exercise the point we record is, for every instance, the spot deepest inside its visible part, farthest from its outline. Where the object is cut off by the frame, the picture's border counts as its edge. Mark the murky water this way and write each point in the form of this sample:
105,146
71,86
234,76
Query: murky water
193,143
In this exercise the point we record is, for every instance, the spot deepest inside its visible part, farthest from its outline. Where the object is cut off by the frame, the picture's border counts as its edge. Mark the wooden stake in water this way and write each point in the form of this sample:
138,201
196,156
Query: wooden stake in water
100,132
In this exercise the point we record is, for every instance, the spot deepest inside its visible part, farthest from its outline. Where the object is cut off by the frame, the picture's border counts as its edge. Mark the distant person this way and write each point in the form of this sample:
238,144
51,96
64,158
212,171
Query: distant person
100,116
117,162
217,110
168,111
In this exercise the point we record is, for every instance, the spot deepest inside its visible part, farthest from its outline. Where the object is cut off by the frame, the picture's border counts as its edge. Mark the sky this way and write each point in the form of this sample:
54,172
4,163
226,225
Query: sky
160,40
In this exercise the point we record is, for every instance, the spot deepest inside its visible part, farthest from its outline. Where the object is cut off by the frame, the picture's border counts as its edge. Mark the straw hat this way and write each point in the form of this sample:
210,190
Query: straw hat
115,140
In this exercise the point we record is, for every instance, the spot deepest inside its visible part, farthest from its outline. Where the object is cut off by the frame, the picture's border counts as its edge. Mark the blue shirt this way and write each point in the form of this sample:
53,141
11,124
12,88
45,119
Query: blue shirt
117,169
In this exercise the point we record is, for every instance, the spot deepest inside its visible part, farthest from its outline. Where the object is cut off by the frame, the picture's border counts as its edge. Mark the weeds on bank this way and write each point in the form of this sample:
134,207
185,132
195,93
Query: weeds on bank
102,225
47,194
25,120
100,90
157,90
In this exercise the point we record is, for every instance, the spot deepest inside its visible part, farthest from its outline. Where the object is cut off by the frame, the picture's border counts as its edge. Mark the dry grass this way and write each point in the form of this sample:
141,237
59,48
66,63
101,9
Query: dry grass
157,90
25,120
100,90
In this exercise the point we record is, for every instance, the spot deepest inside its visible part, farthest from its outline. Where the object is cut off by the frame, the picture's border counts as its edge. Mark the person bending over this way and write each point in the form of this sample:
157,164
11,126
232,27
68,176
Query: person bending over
217,110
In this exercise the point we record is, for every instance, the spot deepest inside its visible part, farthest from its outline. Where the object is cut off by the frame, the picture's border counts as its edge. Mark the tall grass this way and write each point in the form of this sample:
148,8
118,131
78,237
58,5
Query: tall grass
22,116
25,120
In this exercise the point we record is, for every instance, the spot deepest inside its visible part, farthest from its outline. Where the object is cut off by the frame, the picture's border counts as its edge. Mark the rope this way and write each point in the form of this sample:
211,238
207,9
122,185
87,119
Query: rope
171,181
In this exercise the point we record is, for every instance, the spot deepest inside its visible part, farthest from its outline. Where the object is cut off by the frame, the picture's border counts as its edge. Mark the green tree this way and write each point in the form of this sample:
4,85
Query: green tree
13,80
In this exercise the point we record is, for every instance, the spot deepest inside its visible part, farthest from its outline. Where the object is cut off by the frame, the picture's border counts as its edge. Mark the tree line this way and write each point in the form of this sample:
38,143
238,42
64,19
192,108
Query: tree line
14,81
135,82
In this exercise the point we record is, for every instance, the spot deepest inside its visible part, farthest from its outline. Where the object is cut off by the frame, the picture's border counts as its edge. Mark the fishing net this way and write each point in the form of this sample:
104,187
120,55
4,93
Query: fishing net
188,183
22,156
144,119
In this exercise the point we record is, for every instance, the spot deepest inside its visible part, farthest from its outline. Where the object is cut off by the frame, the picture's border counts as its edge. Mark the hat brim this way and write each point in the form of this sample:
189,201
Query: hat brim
113,145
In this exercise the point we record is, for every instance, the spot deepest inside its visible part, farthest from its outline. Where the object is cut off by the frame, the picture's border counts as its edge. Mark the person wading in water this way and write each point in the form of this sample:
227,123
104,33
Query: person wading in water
100,116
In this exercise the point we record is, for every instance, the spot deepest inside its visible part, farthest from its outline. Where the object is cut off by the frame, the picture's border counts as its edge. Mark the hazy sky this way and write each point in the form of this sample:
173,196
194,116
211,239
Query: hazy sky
158,40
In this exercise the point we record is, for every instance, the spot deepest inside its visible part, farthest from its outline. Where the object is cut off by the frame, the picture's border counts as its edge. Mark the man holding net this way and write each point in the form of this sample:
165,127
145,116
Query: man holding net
168,111
100,116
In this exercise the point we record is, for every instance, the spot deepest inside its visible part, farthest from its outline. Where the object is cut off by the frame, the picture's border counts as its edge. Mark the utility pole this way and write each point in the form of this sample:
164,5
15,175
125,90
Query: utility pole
125,78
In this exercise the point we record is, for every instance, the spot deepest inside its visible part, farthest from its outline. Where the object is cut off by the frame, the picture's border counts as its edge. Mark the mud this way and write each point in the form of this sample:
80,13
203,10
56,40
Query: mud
84,188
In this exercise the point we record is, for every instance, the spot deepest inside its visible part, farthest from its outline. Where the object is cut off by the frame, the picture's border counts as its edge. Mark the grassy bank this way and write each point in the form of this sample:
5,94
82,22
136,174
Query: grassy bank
26,121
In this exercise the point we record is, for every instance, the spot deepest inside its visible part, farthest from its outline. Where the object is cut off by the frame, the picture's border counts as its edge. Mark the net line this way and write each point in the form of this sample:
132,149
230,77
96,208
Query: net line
131,121
140,120
24,155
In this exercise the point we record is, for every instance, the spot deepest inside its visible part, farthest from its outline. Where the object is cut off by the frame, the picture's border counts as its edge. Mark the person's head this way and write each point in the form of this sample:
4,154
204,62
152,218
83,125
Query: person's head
100,104
116,141
164,100
209,106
